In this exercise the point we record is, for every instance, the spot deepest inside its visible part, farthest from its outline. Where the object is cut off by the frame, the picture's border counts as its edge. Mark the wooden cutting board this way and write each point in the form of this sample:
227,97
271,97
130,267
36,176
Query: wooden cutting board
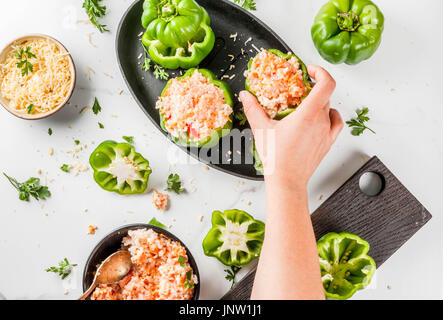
386,220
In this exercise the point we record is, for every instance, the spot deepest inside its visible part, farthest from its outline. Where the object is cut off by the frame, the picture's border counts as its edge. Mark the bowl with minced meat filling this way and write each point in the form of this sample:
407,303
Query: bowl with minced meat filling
162,266
279,81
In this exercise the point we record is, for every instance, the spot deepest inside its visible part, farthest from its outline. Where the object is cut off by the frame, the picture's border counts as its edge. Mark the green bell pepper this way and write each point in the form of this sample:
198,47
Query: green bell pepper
285,56
216,135
235,238
347,31
258,165
178,32
344,264
117,167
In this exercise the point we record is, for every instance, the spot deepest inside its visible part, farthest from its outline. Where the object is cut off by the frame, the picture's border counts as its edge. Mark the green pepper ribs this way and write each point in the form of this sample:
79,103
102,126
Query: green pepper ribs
117,167
235,238
178,32
344,264
348,31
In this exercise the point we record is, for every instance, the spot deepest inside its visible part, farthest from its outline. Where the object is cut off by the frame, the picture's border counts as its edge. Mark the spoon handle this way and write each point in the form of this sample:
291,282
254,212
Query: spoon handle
88,292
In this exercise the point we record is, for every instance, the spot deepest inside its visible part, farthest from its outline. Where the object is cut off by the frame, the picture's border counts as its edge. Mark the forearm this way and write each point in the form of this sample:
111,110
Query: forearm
289,259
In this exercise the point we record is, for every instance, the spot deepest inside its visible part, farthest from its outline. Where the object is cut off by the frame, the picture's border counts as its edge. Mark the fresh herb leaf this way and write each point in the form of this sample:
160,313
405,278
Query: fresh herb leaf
30,108
101,126
231,273
30,187
247,4
181,261
50,131
155,222
94,11
358,124
188,284
64,268
147,61
65,168
160,73
77,142
241,117
96,108
174,183
23,63
129,139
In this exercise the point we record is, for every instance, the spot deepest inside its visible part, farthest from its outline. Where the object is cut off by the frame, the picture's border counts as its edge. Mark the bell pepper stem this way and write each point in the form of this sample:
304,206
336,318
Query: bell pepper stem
348,21
167,10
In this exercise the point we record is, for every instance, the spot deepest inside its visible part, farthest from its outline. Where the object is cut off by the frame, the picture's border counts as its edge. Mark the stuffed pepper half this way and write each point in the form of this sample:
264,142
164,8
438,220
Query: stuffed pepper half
177,34
196,109
280,82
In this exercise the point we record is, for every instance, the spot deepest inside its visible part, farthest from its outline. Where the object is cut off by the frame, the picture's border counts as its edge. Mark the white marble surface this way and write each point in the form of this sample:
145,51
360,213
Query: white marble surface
401,85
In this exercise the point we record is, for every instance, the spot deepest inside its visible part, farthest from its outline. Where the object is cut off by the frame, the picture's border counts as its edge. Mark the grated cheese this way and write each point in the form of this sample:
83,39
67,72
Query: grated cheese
46,87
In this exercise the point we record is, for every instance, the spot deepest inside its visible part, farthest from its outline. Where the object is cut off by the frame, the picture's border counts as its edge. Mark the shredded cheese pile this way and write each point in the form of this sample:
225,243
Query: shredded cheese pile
46,87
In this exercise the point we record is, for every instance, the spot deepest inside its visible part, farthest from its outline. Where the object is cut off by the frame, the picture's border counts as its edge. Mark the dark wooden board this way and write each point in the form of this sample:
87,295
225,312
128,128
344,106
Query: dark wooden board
386,221
227,19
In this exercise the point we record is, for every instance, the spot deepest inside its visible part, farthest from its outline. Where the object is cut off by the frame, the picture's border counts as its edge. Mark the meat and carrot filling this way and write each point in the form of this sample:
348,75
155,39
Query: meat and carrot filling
193,107
277,83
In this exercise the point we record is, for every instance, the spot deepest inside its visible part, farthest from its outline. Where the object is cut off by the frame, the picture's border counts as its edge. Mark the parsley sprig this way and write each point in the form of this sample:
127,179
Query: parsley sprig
94,11
158,71
231,273
358,124
241,117
64,268
23,55
129,139
155,222
30,187
247,4
96,108
174,183
188,283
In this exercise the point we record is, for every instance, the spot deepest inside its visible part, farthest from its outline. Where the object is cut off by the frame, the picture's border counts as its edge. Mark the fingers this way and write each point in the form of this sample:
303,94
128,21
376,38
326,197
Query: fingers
322,91
336,124
257,117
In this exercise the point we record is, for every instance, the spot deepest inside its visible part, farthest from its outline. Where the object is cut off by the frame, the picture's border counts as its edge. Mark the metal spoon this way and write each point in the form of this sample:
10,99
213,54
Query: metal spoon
112,270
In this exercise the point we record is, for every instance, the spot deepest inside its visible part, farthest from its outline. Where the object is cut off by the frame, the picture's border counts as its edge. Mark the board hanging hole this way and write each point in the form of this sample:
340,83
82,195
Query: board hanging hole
371,183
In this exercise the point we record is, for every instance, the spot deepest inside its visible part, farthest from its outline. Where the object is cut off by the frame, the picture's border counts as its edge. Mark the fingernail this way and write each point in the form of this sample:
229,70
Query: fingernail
241,95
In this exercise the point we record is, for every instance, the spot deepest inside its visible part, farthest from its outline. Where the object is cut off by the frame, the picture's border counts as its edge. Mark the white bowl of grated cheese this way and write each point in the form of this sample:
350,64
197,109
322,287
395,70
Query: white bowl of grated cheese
37,76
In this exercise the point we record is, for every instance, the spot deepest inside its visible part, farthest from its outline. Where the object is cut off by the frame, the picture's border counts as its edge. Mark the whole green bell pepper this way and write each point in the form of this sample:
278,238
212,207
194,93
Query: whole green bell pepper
344,264
258,165
235,238
285,56
216,135
178,32
347,31
117,167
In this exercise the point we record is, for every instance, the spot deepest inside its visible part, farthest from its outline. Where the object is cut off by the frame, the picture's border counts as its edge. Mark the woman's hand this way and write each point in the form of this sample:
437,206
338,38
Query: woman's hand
291,149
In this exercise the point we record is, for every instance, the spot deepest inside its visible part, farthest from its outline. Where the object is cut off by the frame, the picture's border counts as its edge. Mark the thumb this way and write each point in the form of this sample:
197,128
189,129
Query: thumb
257,117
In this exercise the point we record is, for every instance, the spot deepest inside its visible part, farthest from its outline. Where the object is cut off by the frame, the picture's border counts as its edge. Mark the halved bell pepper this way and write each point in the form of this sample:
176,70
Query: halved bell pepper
178,32
344,264
117,167
258,165
285,56
213,139
348,31
235,238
